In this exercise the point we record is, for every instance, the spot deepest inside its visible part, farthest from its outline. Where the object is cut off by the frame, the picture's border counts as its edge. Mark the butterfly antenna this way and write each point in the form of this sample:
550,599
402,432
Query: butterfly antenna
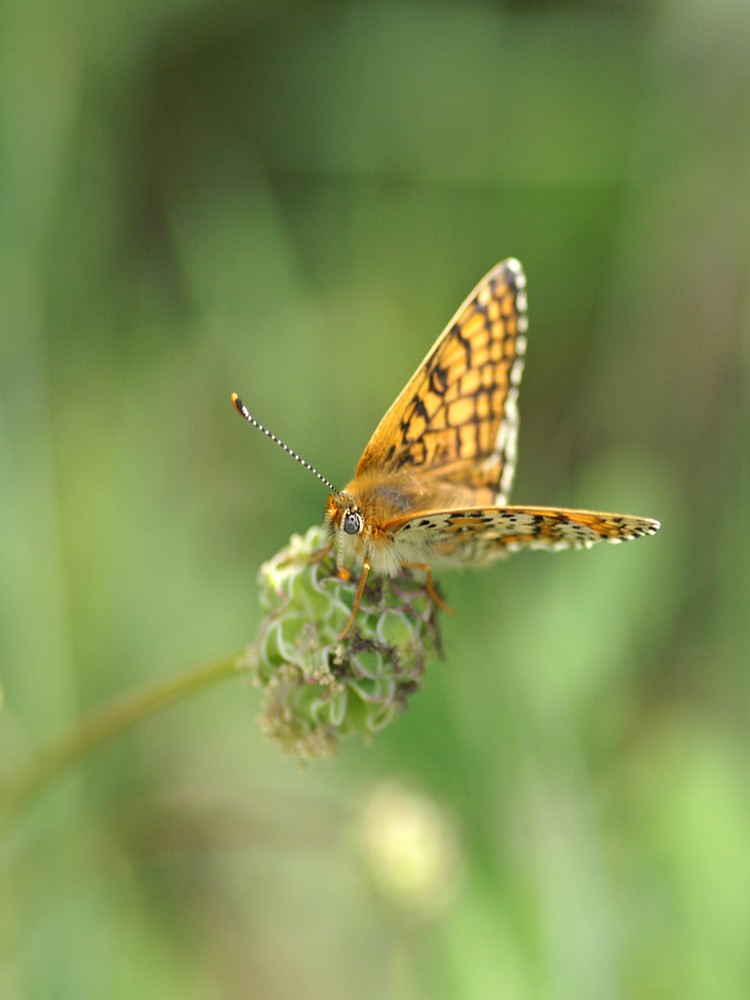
244,412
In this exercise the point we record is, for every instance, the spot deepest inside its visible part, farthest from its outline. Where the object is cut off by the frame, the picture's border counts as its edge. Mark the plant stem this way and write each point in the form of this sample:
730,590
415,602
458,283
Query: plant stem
21,786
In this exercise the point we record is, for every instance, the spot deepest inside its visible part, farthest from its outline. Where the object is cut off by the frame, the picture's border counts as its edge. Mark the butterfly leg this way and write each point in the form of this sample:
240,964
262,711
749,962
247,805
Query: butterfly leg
357,599
431,587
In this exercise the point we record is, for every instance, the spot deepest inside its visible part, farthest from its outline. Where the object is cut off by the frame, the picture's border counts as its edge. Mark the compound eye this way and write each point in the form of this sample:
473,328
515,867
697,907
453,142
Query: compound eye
352,522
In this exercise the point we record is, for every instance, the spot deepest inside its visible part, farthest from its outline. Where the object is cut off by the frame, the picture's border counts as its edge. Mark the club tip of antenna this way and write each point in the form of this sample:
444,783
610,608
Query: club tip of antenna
236,402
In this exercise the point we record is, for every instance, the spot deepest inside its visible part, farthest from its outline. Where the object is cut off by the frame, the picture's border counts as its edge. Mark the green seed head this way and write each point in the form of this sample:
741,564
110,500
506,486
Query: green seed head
319,688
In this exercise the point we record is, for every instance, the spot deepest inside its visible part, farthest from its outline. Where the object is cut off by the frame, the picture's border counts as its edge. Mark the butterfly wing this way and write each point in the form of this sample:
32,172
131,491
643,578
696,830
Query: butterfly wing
481,534
457,417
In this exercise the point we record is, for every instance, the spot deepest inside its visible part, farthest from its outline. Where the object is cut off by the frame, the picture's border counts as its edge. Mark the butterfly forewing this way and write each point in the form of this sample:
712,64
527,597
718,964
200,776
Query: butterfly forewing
479,535
457,417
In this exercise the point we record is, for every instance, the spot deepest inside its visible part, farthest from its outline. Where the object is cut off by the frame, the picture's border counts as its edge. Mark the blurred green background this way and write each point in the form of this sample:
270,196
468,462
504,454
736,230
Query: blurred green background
290,200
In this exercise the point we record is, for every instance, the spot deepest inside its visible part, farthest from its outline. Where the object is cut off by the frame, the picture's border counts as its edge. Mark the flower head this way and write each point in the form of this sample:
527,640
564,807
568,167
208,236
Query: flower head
319,688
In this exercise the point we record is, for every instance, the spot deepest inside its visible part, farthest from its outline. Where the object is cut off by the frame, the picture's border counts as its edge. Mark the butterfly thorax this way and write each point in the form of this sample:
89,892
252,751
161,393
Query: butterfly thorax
364,519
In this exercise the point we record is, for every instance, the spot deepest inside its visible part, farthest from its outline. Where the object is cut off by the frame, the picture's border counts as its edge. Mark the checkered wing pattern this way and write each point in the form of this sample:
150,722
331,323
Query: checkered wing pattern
480,535
457,418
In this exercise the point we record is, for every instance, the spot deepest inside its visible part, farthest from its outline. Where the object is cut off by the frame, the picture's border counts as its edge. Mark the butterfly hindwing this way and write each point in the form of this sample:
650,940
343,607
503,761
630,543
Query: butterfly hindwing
481,534
457,417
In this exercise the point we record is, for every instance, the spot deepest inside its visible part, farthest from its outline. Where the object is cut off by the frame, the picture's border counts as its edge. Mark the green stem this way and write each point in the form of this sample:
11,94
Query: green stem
20,787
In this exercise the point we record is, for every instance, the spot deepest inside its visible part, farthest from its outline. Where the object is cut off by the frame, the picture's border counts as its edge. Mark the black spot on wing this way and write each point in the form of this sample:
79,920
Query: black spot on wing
439,380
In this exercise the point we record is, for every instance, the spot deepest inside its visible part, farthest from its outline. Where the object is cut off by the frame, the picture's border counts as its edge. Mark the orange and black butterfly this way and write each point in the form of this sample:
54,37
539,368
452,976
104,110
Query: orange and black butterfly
431,488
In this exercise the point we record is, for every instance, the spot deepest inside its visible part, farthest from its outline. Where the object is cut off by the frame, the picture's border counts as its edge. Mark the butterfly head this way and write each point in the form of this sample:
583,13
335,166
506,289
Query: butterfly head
346,525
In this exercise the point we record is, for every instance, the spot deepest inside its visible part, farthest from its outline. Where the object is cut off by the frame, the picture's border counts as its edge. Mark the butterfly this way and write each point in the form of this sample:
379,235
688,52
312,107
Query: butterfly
431,488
